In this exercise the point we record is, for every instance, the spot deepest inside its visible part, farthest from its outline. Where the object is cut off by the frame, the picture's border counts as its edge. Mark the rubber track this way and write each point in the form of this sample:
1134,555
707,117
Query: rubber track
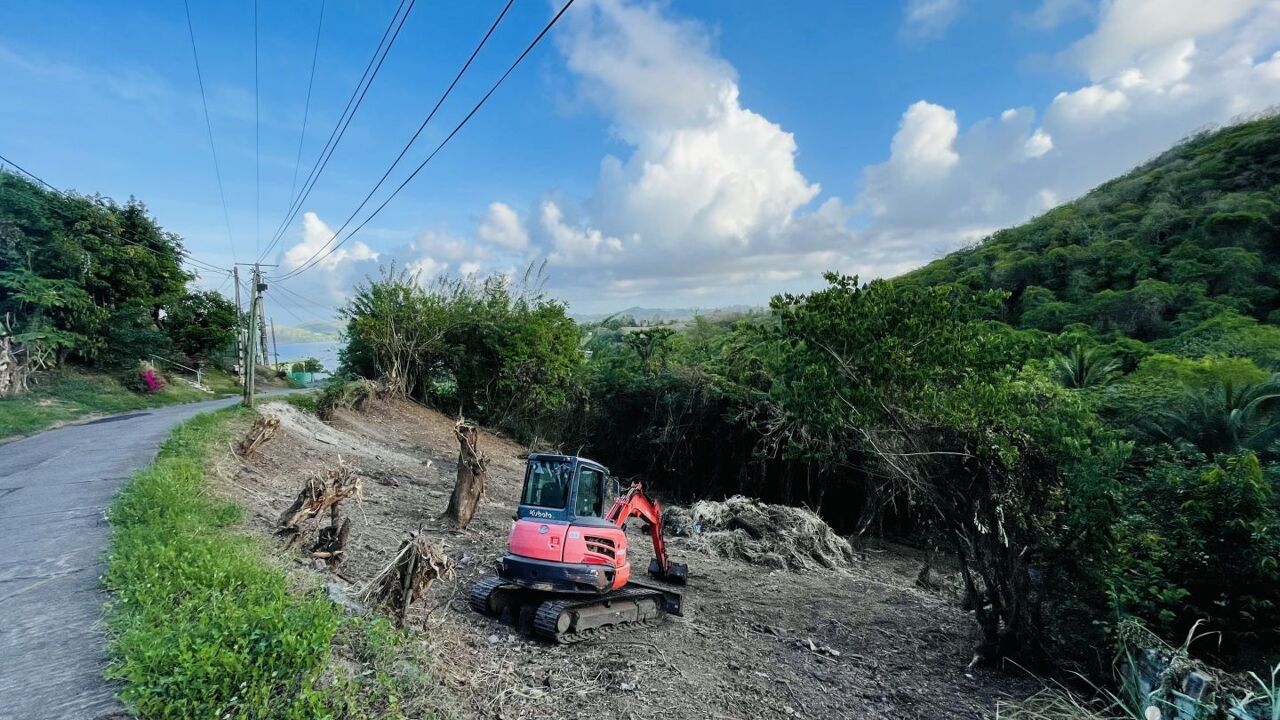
481,591
549,612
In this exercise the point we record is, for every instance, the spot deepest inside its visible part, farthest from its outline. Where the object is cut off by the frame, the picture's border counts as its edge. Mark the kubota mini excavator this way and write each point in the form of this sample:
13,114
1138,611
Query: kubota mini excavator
566,576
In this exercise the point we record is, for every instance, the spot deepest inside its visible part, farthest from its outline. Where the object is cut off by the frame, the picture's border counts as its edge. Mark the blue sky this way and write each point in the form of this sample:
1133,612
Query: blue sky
686,153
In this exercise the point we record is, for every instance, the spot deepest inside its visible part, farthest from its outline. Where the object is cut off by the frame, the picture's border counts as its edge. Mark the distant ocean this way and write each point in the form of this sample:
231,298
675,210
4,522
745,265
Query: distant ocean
325,352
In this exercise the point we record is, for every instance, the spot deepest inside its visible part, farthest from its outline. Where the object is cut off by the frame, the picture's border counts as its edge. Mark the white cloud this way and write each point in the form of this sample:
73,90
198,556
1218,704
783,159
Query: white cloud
316,235
1088,104
929,18
1130,29
1038,144
1143,96
501,226
922,148
574,245
707,200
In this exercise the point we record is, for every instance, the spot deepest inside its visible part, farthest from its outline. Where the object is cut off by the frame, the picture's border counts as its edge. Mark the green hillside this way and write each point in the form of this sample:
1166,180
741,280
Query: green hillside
1182,252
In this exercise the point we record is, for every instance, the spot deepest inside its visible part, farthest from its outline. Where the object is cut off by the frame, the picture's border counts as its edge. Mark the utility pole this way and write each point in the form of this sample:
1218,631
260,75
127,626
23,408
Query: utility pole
235,271
262,326
274,347
255,333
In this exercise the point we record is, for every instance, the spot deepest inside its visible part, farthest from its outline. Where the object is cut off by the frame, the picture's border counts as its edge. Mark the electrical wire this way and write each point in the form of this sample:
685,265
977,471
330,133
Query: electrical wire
318,258
348,113
257,144
217,171
182,254
306,111
29,174
444,96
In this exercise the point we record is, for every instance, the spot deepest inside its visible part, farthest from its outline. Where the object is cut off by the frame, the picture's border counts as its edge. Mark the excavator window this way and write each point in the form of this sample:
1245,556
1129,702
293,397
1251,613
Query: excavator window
590,493
547,484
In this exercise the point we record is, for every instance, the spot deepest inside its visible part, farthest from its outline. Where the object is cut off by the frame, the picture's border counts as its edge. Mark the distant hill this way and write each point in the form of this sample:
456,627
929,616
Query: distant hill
664,315
1183,249
316,331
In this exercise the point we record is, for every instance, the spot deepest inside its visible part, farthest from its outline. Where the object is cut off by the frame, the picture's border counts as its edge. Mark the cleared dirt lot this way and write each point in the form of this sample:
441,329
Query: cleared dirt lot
862,643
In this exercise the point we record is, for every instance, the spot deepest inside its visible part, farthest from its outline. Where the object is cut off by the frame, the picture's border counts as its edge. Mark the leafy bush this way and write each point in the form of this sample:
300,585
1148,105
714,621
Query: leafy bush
201,627
1201,541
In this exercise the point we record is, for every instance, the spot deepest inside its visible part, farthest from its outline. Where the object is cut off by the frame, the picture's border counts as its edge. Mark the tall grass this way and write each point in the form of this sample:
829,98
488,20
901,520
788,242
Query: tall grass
202,627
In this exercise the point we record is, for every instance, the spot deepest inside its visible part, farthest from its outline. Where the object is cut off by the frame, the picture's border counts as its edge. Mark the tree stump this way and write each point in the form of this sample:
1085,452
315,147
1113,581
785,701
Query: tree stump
473,475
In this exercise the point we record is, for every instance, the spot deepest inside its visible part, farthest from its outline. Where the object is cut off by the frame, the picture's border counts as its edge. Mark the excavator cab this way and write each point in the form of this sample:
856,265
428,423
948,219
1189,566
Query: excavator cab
567,574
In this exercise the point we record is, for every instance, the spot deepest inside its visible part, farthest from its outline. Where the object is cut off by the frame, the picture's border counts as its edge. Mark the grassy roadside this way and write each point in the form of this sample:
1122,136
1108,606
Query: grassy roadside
205,625
75,394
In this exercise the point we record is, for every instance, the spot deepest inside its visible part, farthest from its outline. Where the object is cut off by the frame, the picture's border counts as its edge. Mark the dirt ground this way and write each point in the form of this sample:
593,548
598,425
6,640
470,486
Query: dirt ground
862,643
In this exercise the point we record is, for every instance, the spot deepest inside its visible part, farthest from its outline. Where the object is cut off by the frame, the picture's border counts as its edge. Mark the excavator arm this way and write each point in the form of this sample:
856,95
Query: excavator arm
635,503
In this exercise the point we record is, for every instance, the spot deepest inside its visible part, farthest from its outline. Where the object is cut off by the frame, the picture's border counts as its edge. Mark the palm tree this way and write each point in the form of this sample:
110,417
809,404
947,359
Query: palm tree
1085,367
1224,418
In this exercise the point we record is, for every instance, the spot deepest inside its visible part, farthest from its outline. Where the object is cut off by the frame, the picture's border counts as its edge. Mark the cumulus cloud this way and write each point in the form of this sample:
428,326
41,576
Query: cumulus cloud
705,203
928,19
1130,29
329,283
708,183
501,226
1156,74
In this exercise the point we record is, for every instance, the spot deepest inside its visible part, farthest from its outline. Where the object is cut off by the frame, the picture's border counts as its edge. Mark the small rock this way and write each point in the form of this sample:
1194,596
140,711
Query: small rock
626,687
493,639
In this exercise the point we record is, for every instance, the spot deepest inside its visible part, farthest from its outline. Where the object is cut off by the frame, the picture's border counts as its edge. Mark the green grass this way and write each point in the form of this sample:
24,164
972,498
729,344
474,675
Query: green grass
201,626
204,625
75,394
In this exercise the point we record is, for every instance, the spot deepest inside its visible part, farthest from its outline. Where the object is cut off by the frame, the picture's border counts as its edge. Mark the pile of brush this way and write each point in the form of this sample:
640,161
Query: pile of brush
407,577
325,491
776,536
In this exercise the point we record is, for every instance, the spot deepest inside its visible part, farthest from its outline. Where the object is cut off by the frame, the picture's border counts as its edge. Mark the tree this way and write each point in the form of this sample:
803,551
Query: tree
312,365
200,324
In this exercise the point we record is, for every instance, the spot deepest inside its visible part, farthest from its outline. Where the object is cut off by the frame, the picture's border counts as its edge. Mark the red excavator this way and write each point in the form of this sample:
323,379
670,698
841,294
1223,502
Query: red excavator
566,576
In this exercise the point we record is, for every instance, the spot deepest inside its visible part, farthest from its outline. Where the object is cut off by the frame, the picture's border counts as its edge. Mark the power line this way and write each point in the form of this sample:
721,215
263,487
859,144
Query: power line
306,112
456,78
226,217
29,174
317,257
348,113
180,253
257,131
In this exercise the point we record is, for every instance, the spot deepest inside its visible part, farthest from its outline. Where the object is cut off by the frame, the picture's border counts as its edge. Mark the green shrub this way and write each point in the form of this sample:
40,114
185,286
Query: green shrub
201,626
1199,541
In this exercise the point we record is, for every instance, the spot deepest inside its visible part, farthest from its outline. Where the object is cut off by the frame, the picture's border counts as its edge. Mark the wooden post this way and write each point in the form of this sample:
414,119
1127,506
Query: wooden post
275,349
472,475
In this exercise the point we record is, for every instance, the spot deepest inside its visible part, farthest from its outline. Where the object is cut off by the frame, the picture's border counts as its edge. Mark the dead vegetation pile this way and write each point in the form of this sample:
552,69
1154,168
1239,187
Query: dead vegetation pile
776,536
408,576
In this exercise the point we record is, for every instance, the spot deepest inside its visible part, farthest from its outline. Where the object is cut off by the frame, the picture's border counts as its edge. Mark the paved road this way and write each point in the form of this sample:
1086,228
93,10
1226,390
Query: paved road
53,489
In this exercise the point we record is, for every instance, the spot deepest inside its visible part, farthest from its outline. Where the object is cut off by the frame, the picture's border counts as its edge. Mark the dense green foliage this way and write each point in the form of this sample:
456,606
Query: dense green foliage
501,354
1187,239
86,279
1082,409
201,626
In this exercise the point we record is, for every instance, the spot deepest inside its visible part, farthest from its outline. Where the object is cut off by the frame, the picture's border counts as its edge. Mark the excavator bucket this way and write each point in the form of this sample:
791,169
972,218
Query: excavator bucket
676,574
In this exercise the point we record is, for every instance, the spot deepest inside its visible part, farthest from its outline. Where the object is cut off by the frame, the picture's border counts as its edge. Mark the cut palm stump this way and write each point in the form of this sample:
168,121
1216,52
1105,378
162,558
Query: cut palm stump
407,578
472,475
320,493
264,428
